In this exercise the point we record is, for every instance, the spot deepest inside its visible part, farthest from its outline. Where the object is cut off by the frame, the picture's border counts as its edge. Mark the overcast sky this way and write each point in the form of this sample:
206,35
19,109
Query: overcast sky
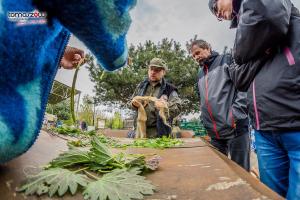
157,19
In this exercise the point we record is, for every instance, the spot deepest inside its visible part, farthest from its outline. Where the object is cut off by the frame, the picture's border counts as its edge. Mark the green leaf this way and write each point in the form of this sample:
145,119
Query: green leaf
120,184
100,152
135,160
71,158
54,181
164,142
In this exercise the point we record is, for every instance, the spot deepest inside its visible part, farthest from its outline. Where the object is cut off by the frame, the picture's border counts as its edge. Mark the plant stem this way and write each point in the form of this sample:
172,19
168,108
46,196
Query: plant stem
118,165
79,170
103,171
90,175
72,103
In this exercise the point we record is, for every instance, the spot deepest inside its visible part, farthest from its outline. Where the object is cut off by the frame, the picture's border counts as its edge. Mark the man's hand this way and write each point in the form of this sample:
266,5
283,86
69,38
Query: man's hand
161,104
71,57
135,103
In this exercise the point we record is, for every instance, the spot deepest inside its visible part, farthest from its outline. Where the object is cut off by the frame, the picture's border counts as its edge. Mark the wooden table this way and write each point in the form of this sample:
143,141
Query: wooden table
193,173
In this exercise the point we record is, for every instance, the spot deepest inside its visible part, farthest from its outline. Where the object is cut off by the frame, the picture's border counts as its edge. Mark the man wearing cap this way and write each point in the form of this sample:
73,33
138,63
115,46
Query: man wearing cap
266,51
156,86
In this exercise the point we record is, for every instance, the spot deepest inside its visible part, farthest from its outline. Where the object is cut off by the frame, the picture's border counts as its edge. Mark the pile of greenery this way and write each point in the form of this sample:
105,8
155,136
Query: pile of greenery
84,139
160,143
79,143
98,173
109,141
74,132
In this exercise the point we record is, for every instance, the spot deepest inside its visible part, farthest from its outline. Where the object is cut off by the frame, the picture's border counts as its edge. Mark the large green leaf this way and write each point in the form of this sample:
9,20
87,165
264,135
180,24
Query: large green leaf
100,152
120,184
70,158
54,181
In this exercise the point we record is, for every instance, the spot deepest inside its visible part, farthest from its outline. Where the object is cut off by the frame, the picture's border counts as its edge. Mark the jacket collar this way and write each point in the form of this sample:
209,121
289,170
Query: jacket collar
146,82
211,58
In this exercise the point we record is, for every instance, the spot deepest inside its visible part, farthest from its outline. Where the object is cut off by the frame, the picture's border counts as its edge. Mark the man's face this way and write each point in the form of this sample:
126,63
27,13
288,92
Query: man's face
155,74
199,54
223,9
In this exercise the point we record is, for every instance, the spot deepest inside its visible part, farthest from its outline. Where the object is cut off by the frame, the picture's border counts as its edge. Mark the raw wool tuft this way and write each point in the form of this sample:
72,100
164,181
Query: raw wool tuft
142,116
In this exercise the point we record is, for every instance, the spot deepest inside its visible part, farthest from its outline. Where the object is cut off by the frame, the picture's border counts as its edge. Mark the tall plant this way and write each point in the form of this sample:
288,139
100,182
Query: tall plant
72,102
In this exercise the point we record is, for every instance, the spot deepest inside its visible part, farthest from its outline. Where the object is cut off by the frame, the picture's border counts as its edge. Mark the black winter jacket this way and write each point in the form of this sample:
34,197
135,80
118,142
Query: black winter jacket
223,110
267,51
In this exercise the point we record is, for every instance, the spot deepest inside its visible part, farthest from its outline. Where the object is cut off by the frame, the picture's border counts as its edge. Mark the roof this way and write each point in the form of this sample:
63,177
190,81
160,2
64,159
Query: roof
60,92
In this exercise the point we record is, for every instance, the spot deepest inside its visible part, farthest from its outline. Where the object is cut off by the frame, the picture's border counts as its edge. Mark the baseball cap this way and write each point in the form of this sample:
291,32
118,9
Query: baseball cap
158,62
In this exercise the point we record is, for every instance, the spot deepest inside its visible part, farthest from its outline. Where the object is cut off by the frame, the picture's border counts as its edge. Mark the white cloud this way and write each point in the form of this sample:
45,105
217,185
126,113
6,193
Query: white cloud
157,19
179,20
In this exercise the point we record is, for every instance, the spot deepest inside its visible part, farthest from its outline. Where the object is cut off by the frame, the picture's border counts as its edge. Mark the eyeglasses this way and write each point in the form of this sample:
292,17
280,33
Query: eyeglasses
215,10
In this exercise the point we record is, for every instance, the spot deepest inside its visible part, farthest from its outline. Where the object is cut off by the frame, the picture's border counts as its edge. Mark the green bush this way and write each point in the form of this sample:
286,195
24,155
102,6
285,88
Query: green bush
68,131
108,123
68,122
117,122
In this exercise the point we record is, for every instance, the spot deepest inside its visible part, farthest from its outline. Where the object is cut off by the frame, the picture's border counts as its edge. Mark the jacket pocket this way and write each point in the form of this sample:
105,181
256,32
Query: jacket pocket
207,123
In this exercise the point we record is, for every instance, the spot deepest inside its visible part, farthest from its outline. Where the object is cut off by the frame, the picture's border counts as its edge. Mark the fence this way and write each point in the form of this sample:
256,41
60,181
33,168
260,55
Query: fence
197,127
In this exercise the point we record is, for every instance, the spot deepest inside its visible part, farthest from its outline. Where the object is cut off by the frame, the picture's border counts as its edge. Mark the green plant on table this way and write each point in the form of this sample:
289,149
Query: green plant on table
101,175
161,143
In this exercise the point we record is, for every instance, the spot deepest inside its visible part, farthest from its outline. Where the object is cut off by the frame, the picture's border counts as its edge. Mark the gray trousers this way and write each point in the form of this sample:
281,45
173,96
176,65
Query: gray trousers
238,148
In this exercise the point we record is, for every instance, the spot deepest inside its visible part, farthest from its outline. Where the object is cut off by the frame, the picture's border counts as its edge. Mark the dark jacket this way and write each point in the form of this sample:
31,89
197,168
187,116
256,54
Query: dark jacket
165,88
223,109
267,46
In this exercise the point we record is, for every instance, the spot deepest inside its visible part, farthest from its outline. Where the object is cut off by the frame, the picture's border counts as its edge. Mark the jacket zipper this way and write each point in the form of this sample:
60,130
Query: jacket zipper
255,106
233,125
207,103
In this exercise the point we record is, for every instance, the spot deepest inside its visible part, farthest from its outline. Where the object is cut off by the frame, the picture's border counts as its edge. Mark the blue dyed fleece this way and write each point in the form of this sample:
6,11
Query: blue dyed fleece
30,55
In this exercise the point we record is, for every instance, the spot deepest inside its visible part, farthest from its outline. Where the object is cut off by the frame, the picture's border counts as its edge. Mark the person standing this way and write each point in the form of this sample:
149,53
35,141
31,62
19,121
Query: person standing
223,109
267,54
157,86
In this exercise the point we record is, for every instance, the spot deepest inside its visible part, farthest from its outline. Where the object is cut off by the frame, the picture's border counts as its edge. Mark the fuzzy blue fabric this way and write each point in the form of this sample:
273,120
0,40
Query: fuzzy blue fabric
30,55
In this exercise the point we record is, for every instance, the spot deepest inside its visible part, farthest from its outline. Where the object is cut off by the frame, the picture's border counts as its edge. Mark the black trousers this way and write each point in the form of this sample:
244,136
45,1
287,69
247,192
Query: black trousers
238,148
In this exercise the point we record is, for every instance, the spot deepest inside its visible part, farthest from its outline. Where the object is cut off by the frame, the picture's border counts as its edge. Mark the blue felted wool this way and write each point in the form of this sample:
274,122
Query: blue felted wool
101,24
30,55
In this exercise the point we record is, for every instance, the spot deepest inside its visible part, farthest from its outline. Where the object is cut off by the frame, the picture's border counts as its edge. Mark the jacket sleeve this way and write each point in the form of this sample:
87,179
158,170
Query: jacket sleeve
196,89
240,113
243,75
239,105
262,25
